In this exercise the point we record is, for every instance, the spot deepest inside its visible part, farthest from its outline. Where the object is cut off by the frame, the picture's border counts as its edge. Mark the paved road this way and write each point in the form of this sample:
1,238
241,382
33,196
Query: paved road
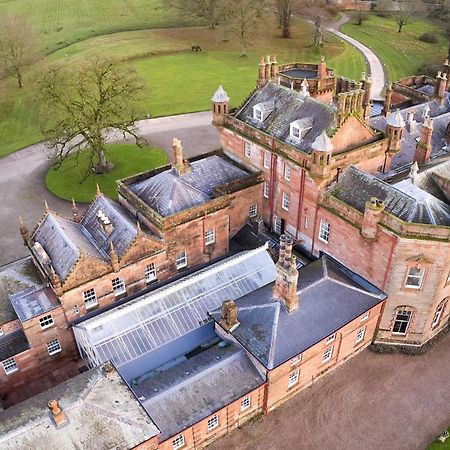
372,402
376,69
22,174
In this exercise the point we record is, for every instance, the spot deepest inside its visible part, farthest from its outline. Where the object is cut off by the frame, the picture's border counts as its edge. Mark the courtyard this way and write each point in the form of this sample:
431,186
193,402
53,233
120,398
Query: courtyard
374,401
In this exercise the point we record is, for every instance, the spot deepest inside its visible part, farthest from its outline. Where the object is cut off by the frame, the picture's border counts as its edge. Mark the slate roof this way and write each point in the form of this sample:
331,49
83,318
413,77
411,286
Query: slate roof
289,106
412,205
16,277
12,344
101,410
33,302
169,193
220,96
330,296
441,118
63,240
185,394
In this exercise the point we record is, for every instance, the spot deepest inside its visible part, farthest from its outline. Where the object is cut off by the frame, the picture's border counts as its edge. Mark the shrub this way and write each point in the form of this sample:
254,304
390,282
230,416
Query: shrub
384,14
429,38
429,68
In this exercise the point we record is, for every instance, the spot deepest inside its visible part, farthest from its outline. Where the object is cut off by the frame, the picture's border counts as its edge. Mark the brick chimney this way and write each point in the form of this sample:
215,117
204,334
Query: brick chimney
440,87
58,414
261,73
423,147
274,68
366,83
372,216
268,68
322,68
387,100
24,233
75,213
285,288
228,320
179,164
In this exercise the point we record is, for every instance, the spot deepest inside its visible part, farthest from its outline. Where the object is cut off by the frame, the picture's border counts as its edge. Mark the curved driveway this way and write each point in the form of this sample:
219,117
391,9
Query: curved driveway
376,69
22,186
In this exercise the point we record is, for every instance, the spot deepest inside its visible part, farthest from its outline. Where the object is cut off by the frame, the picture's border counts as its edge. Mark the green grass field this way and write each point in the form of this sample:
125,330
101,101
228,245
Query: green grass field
128,159
402,53
178,80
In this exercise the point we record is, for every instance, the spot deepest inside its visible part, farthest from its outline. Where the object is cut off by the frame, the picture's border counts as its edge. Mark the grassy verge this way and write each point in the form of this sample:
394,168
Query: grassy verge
436,445
128,159
402,53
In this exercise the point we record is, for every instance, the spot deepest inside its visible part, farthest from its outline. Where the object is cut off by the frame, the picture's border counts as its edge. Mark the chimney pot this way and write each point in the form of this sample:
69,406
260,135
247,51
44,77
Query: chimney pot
58,414
229,313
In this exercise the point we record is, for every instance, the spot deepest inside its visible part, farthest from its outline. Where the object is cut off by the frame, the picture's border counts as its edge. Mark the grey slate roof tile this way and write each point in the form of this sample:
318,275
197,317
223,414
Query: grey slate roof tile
330,296
289,106
12,344
410,205
169,193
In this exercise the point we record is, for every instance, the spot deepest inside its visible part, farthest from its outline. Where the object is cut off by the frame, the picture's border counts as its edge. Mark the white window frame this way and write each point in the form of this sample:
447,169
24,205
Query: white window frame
295,132
296,360
287,172
438,314
257,114
327,354
150,272
360,335
46,322
410,277
181,260
324,231
330,338
253,211
54,347
178,442
404,312
118,286
248,149
1,331
210,236
213,422
246,402
266,190
277,225
285,200
293,378
365,316
90,298
10,366
266,162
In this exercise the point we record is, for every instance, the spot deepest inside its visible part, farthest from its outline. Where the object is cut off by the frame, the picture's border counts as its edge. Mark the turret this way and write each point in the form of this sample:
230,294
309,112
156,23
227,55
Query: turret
387,100
220,102
395,126
423,147
372,215
321,156
285,288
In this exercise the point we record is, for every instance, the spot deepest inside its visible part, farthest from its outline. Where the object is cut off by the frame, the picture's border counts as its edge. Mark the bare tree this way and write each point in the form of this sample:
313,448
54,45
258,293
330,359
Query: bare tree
17,46
209,10
243,19
78,105
284,10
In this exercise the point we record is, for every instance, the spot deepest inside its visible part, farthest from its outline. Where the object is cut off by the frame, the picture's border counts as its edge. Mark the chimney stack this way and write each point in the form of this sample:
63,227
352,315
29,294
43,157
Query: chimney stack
24,233
228,320
441,87
387,100
285,288
58,414
262,72
411,124
75,213
322,68
372,216
180,165
274,68
268,69
423,147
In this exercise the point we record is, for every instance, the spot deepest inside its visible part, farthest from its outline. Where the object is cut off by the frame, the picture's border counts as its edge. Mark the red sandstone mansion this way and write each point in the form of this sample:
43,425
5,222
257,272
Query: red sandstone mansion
176,286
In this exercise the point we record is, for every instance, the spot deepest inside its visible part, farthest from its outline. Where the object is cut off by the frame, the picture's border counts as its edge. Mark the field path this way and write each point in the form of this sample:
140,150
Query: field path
375,65
22,174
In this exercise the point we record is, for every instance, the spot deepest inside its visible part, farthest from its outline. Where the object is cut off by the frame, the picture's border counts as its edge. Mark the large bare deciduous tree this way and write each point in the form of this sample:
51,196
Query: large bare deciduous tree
244,19
17,46
79,104
284,10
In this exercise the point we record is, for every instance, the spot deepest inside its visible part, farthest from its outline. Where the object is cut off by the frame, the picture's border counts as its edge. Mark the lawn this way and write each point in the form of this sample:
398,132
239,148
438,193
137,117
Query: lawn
178,80
128,159
402,53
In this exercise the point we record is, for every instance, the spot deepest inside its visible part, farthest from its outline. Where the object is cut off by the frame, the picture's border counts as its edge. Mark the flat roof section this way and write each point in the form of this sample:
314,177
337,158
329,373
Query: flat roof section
300,74
32,303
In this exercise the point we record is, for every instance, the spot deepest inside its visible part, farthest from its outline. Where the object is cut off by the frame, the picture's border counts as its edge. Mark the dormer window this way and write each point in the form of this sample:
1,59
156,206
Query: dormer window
262,110
300,128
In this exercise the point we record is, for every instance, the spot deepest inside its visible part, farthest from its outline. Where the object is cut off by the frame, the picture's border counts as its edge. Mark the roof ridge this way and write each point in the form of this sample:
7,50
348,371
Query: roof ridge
354,288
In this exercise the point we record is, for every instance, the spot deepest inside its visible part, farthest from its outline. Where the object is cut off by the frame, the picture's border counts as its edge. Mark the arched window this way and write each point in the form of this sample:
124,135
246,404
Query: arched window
439,313
402,319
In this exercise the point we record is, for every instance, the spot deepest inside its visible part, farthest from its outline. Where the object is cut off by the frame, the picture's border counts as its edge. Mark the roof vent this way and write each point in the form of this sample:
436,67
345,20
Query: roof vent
106,224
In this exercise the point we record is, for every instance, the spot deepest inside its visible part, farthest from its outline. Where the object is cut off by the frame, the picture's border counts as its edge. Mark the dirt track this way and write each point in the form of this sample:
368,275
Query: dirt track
373,401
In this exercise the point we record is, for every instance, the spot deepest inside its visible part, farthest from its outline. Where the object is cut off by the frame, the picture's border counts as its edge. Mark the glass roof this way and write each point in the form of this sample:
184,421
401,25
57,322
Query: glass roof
151,321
